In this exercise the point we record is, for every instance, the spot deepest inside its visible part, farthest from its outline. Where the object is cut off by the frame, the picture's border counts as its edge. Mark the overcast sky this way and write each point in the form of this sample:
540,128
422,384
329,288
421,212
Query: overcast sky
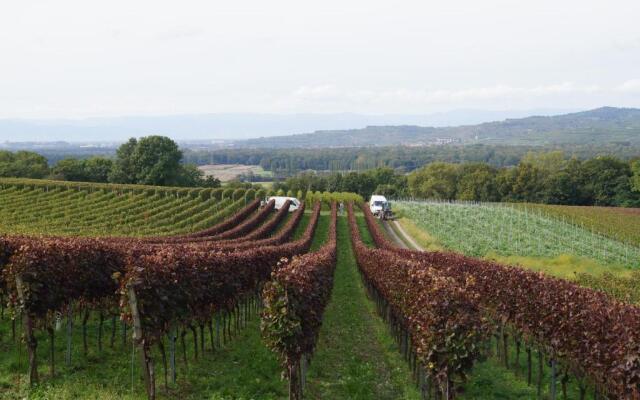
85,58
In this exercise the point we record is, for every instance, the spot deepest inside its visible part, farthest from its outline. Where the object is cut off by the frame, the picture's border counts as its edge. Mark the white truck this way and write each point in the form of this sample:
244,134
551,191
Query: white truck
280,200
377,204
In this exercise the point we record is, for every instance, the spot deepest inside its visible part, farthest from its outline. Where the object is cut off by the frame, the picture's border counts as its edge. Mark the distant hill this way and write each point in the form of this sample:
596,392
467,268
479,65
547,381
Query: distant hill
598,126
233,126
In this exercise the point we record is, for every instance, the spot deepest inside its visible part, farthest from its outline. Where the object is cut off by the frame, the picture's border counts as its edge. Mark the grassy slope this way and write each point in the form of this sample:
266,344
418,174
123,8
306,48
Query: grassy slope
356,358
490,380
421,237
243,368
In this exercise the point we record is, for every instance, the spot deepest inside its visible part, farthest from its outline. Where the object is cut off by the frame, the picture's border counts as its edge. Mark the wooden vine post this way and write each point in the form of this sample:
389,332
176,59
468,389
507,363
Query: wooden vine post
173,336
32,343
146,360
69,334
295,384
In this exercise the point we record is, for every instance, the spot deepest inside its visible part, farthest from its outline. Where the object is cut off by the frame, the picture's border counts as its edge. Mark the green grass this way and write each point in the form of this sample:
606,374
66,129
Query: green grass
364,230
424,239
322,232
243,368
356,357
491,380
564,266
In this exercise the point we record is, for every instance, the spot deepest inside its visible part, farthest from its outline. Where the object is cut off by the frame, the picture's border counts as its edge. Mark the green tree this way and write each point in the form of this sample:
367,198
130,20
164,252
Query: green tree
69,169
528,184
437,180
477,182
389,191
97,169
635,178
565,186
94,169
334,182
607,181
360,183
123,169
154,160
212,182
505,179
23,164
548,161
190,175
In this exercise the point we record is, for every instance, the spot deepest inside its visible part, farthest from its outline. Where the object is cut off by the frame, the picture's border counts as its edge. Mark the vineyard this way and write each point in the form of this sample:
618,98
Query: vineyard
211,293
63,208
506,230
622,224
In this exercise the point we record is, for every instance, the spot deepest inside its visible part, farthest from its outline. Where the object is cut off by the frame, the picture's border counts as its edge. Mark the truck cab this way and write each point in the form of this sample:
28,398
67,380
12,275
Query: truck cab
377,204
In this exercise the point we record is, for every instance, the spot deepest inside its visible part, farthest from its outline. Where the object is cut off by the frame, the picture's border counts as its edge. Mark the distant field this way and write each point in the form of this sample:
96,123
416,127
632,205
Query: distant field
228,172
614,222
482,230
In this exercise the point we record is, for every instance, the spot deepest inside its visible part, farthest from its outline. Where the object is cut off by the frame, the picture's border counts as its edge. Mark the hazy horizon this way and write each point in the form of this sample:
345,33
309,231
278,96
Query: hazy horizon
234,126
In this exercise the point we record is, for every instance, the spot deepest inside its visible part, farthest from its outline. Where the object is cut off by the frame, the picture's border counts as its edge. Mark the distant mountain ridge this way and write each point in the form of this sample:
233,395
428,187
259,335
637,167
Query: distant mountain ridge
231,126
598,126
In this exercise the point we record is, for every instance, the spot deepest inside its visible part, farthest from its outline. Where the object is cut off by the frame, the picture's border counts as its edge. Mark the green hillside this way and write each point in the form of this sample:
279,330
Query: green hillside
84,209
598,126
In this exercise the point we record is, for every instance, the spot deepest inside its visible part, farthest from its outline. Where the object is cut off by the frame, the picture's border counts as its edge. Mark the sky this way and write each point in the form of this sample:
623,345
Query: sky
79,58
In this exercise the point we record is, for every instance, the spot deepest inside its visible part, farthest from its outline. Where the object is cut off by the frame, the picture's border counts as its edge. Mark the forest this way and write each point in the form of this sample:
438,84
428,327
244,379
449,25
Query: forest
286,162
551,178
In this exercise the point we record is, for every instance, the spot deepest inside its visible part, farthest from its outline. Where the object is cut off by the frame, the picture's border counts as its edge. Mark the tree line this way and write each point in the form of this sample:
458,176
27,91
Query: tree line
151,160
548,177
553,177
287,162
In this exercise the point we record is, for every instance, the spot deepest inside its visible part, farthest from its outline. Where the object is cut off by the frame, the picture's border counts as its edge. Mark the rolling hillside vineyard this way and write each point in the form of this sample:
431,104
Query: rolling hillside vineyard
157,292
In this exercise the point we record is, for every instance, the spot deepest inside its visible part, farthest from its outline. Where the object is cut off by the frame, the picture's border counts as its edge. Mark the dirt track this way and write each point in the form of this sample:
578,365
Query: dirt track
406,241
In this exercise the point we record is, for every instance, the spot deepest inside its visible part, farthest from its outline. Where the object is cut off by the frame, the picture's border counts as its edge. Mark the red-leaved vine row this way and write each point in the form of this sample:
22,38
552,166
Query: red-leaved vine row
223,226
251,228
45,277
294,303
248,225
179,286
265,229
435,319
49,276
58,271
281,236
379,238
51,273
595,336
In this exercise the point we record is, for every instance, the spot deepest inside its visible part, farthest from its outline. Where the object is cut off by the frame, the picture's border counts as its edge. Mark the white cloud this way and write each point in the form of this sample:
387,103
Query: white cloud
630,86
413,99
